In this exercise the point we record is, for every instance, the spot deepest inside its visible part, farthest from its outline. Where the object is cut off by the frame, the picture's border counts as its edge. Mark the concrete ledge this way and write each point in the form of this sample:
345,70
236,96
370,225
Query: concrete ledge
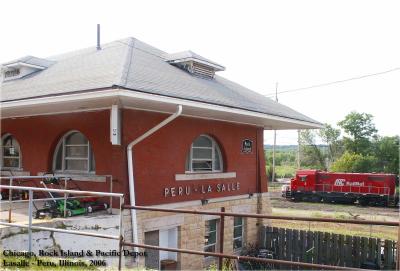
14,172
78,177
204,176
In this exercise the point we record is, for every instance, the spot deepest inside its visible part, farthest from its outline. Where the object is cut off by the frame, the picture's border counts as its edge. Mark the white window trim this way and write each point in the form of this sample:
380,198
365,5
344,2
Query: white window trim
240,237
214,146
63,144
19,168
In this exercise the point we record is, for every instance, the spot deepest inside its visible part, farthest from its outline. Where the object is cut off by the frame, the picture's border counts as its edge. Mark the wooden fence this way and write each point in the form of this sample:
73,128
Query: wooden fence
329,248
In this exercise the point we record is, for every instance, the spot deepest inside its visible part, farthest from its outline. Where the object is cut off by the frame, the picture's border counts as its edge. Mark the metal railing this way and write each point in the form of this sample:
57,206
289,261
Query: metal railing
64,178
222,214
78,192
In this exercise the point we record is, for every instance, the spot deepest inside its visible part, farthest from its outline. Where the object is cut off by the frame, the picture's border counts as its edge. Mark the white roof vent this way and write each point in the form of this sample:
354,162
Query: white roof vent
195,64
22,67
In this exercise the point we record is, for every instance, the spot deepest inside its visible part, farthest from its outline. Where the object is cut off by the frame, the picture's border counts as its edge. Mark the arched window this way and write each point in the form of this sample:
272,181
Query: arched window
10,153
74,154
204,156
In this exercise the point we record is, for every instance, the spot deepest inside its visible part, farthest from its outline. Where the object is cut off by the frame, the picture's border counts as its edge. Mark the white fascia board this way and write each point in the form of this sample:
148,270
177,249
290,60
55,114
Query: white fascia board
60,99
220,108
121,93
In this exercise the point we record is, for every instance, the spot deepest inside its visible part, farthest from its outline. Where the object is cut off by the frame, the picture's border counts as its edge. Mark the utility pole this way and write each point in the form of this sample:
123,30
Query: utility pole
298,149
273,147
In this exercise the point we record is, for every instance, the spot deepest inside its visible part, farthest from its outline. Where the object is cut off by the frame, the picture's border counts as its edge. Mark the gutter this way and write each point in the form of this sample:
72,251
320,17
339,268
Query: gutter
132,197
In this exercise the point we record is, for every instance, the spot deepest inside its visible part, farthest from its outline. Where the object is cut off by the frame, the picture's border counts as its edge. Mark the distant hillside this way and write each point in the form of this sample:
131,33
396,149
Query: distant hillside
281,147
288,148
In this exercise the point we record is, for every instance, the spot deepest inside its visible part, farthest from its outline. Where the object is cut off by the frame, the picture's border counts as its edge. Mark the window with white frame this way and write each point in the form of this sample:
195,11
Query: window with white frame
238,233
10,153
210,236
204,156
74,154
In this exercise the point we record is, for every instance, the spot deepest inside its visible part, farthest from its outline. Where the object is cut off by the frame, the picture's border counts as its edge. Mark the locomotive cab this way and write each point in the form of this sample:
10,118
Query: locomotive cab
304,180
303,184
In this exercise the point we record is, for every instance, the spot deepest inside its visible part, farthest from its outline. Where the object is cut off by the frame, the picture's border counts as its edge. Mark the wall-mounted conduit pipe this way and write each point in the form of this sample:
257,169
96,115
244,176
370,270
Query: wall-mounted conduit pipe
130,167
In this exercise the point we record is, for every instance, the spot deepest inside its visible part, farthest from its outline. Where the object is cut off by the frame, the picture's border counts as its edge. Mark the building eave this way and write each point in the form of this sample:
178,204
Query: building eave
104,98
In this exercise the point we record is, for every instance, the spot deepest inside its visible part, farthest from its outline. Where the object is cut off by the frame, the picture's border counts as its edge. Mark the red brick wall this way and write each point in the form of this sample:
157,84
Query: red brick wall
156,159
38,137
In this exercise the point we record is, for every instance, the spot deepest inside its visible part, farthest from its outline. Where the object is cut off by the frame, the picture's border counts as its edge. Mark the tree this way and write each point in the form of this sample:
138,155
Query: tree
361,130
311,153
331,137
355,162
320,156
386,150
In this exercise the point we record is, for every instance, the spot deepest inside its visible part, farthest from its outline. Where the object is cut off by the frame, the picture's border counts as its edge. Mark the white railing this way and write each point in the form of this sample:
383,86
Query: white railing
77,192
64,178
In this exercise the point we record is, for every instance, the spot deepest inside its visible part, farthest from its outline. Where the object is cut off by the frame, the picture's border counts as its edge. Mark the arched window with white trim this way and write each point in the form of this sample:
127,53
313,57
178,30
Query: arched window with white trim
10,152
204,156
74,154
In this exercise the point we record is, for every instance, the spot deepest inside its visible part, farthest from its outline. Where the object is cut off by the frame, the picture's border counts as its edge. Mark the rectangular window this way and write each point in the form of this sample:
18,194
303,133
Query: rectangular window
237,233
202,158
10,162
210,236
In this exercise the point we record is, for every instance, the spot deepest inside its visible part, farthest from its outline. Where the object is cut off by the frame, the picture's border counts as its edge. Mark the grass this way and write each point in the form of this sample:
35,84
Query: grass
382,232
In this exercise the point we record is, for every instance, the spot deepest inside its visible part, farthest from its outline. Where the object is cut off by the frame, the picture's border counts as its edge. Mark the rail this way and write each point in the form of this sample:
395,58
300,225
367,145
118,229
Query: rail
373,190
65,178
222,214
77,192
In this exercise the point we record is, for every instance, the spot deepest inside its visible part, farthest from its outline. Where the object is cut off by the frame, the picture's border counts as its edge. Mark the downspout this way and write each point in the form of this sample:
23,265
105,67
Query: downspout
130,167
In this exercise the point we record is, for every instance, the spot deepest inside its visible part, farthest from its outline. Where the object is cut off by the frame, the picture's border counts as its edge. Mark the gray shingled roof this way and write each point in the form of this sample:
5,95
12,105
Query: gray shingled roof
134,65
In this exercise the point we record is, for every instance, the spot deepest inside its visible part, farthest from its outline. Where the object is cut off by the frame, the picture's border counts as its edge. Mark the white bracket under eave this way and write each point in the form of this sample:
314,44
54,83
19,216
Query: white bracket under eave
115,125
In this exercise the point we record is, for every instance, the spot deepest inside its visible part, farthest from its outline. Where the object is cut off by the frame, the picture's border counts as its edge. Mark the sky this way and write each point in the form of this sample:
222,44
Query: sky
296,44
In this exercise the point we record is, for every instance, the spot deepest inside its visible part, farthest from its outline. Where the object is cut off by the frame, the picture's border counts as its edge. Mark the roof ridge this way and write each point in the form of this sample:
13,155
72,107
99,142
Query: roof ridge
128,62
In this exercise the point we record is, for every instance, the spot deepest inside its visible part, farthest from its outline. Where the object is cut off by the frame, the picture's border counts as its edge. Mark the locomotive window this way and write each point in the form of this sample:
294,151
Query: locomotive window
303,178
324,177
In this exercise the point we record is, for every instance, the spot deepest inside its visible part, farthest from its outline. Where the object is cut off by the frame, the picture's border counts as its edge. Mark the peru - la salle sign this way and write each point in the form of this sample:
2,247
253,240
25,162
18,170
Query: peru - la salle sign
187,190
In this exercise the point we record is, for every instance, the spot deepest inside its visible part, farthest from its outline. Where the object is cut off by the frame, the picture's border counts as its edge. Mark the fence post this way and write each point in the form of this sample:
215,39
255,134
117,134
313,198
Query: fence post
111,198
30,221
65,197
121,236
221,238
398,248
10,201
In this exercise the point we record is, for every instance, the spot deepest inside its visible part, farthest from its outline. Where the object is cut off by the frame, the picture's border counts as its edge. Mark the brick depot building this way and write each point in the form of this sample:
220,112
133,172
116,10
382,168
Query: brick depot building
78,113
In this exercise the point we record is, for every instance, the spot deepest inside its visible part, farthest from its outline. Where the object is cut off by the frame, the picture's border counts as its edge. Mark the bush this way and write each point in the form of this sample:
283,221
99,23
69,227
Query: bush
353,162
